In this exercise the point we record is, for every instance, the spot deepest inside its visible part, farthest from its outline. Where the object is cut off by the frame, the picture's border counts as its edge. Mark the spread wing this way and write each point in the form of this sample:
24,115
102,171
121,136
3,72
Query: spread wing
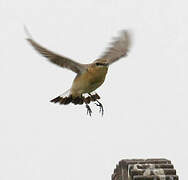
55,58
119,48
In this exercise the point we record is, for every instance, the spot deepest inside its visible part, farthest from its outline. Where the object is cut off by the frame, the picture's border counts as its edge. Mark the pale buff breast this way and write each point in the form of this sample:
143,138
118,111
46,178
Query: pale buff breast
88,81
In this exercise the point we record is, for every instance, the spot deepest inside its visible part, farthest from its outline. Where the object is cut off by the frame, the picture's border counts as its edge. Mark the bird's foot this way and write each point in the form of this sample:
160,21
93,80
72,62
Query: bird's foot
89,111
101,110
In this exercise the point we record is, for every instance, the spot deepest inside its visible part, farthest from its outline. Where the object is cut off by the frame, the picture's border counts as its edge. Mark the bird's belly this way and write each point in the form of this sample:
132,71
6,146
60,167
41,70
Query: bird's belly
92,86
86,83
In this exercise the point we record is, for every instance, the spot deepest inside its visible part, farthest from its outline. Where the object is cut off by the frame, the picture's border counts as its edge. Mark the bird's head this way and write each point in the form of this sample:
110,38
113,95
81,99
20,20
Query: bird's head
99,65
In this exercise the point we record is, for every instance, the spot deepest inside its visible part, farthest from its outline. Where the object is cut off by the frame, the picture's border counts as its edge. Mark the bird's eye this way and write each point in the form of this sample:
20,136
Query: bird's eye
99,64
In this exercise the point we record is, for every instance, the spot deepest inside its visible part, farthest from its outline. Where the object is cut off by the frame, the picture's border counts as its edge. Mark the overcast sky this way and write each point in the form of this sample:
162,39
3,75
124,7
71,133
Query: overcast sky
145,94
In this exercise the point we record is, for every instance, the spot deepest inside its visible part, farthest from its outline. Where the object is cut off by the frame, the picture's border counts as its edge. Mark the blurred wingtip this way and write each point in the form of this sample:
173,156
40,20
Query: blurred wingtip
27,32
128,35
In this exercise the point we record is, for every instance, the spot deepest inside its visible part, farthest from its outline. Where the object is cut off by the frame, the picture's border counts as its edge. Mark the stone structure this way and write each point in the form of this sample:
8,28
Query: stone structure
144,169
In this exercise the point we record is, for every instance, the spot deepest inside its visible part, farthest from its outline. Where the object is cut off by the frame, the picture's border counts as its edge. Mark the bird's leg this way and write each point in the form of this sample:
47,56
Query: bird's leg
87,101
89,111
93,98
101,110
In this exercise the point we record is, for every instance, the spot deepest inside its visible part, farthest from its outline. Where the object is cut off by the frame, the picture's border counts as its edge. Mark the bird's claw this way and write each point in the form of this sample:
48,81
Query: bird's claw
89,111
101,110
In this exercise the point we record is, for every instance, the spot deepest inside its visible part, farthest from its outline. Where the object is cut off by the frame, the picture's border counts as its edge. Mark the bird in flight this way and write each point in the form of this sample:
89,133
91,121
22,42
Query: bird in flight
89,76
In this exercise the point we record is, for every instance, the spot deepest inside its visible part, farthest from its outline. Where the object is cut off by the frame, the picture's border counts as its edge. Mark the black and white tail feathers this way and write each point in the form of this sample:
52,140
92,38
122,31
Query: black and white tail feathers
75,100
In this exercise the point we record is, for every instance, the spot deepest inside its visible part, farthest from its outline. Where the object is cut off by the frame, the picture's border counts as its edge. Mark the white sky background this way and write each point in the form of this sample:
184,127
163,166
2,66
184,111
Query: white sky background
145,94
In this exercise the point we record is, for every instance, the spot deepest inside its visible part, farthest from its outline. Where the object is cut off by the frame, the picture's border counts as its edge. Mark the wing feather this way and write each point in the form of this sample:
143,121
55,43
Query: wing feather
119,47
55,58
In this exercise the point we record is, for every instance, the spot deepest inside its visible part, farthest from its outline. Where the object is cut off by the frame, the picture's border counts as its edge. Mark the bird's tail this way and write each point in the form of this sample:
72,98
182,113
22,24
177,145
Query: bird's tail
67,98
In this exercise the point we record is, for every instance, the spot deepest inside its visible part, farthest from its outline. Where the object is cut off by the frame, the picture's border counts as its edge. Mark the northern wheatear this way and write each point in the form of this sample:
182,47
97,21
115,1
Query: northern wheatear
89,76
